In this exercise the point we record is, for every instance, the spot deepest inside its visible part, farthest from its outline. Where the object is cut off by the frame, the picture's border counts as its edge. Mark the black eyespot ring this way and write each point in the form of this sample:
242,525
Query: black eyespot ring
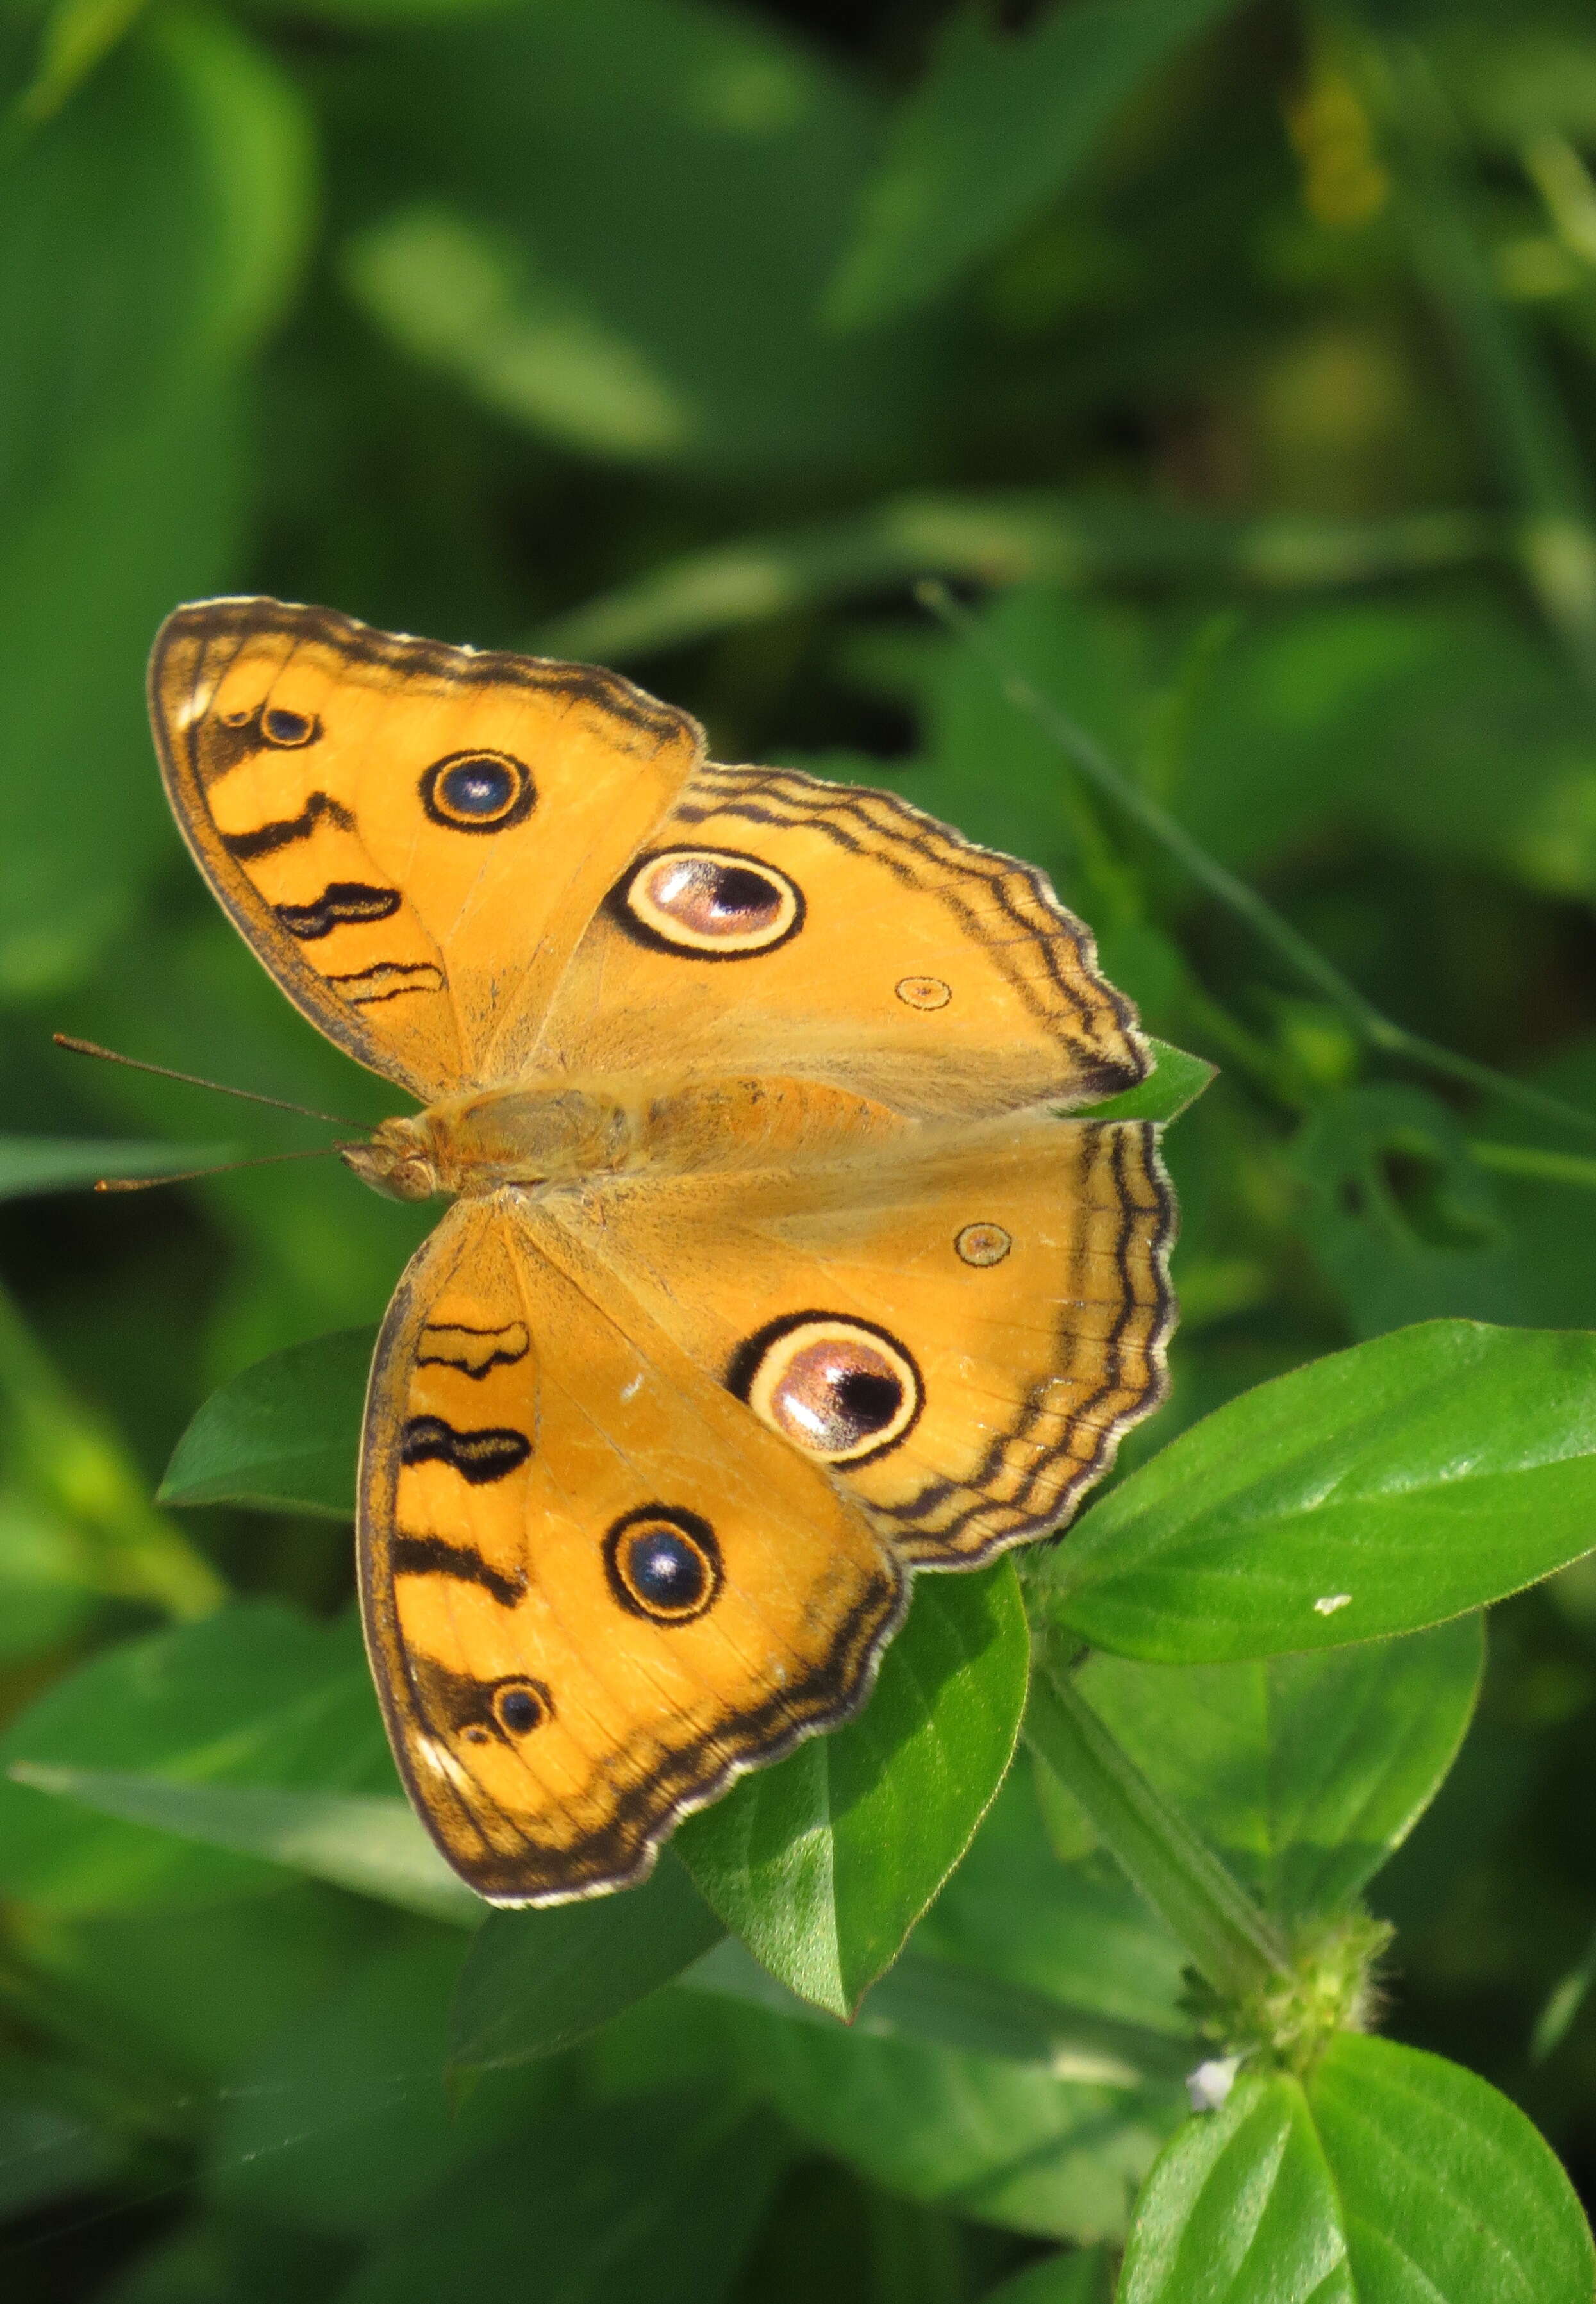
477,792
707,903
287,729
520,1706
663,1563
794,1374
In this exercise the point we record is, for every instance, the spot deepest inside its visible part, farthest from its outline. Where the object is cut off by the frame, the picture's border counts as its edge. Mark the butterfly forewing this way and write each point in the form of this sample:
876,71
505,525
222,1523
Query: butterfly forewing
411,837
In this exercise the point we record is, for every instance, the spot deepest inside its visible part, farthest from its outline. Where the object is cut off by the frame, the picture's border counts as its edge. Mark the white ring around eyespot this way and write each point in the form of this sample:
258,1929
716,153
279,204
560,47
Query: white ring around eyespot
661,926
778,1356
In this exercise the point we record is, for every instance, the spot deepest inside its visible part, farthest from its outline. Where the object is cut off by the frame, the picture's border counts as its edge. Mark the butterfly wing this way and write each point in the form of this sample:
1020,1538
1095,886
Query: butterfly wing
595,1587
956,1327
773,923
411,837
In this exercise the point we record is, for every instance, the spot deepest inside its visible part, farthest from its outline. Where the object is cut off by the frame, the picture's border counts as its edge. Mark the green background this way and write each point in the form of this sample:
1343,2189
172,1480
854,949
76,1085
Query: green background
1239,364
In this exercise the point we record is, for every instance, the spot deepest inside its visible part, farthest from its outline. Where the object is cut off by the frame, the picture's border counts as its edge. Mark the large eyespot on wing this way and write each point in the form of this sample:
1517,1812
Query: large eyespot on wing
595,1590
843,1390
707,903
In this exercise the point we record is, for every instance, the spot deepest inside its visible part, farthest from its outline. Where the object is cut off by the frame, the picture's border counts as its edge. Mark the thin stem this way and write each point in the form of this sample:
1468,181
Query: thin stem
1378,1030
1535,1167
1526,424
1232,1944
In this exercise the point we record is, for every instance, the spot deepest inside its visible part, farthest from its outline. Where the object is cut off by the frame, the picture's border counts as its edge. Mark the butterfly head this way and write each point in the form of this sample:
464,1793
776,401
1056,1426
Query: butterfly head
397,1161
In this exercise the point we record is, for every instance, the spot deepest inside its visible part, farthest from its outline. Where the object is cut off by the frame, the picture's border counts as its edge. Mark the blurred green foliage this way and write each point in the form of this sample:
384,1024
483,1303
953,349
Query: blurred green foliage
1240,361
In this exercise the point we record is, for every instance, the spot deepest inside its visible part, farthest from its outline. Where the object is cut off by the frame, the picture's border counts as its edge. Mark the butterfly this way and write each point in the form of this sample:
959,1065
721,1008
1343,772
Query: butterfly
775,1266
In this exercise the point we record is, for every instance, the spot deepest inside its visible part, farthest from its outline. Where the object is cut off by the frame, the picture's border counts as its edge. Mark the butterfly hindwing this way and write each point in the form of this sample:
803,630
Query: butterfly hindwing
776,924
411,837
1008,1278
595,1588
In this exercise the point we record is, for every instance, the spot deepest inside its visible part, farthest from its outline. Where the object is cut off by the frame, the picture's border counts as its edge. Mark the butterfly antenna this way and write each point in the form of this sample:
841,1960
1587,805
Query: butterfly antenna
224,1168
192,1079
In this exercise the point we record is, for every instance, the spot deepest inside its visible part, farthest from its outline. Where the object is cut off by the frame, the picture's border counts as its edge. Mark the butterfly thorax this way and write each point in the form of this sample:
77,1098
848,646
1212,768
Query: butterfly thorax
545,1133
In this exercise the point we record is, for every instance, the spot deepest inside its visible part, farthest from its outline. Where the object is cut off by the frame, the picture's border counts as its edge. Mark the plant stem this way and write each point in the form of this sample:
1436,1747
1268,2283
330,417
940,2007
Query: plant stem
1535,1167
1526,426
1377,1029
1231,1944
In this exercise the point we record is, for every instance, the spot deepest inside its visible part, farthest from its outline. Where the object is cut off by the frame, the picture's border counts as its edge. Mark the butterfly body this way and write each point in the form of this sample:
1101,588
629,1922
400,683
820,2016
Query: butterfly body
784,1257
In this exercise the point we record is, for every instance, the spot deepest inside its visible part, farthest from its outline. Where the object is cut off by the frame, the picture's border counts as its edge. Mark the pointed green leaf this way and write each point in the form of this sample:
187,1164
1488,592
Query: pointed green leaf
1305,1772
1007,2143
1000,124
1388,2176
284,1435
31,1165
252,1696
376,1847
1373,1491
824,1864
1176,1081
535,1981
939,2002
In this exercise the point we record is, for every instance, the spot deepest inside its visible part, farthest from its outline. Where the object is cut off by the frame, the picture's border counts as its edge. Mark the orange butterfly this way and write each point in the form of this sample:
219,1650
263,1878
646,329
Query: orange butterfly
771,1272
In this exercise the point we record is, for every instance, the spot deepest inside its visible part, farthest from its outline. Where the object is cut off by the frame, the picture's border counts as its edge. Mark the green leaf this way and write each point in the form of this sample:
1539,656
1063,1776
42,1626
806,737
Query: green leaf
1176,1081
824,1864
535,1981
544,148
1082,2275
376,1847
994,2139
147,235
254,1695
283,1434
943,2004
659,2199
340,2120
1373,1491
1305,1772
48,2148
31,1165
1402,1221
1390,2175
1013,536
1075,1931
998,127
77,1511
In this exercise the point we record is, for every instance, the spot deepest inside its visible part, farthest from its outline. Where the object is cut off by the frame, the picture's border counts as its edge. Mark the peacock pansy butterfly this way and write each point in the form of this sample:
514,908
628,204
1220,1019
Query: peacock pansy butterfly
771,1272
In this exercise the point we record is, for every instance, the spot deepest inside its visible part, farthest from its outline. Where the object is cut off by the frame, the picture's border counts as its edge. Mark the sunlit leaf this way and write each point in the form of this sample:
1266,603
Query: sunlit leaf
1176,1081
1373,1491
284,1435
254,1695
1388,2174
375,1846
823,1864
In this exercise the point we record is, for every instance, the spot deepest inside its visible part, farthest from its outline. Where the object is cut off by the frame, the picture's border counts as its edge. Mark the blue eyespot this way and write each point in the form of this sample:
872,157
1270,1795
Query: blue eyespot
477,792
664,1563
